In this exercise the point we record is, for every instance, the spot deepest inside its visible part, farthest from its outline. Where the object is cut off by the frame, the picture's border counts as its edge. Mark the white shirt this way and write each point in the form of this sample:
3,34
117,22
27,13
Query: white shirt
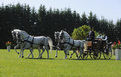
99,36
105,38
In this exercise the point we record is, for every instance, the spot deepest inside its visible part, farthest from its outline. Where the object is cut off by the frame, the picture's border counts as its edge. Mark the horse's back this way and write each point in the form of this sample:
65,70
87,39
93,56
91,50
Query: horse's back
40,39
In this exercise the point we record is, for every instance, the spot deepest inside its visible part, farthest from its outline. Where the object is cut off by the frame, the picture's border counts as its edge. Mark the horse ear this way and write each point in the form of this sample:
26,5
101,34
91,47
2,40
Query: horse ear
61,30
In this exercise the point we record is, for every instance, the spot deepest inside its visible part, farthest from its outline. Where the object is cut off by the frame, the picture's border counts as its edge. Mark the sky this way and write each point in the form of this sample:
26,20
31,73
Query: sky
108,9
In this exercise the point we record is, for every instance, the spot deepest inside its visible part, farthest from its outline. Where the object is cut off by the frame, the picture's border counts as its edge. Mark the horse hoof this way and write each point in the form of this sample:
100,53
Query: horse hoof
78,58
18,52
65,58
70,56
56,56
41,57
22,56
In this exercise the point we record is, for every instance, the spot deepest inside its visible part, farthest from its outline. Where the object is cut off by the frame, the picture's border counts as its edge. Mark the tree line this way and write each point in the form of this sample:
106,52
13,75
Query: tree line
45,22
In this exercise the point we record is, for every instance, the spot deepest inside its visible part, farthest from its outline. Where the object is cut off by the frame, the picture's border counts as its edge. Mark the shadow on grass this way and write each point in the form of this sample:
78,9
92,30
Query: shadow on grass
91,59
67,59
41,58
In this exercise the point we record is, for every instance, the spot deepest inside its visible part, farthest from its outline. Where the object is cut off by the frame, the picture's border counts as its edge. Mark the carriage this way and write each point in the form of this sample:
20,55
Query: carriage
97,48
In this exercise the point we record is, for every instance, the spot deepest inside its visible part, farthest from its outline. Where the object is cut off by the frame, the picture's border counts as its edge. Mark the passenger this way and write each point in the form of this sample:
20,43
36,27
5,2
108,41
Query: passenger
99,35
104,39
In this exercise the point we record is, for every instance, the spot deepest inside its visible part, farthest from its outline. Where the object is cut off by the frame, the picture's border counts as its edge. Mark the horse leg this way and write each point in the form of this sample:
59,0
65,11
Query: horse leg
76,54
29,54
65,51
21,50
31,50
39,52
56,53
20,53
81,52
43,49
25,47
72,54
16,47
46,47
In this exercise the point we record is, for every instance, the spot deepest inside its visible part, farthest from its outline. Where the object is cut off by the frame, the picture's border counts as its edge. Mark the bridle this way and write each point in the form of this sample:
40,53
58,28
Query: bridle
61,35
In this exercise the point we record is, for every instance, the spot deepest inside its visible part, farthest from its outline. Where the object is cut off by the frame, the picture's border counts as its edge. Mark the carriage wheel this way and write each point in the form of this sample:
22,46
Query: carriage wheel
91,54
107,53
96,54
85,54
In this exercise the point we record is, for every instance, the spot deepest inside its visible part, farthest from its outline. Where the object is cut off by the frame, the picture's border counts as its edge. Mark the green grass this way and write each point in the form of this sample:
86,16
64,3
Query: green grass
12,66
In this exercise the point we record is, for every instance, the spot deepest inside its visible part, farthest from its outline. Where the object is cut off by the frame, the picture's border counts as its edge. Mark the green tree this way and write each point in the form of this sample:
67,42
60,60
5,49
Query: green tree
118,30
84,20
81,32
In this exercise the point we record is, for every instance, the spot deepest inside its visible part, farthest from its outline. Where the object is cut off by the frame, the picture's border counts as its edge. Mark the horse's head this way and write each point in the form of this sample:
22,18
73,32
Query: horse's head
61,34
15,34
19,35
56,34
22,35
64,34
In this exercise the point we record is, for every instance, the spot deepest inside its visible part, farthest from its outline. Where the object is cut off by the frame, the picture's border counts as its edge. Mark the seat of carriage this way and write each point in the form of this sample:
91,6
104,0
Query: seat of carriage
97,44
96,41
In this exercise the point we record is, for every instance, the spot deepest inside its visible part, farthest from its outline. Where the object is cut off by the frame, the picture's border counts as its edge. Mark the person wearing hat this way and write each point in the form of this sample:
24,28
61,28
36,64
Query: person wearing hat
91,35
104,37
99,35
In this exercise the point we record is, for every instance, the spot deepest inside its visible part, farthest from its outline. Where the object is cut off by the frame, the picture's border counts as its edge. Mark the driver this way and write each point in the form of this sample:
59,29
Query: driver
91,35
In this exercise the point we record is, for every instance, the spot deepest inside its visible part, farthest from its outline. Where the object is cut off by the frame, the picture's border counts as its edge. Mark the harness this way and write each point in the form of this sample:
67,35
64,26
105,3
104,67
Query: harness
70,43
31,42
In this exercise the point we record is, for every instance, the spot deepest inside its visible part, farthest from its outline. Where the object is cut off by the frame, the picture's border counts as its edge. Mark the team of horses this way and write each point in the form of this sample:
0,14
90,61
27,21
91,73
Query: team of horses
62,38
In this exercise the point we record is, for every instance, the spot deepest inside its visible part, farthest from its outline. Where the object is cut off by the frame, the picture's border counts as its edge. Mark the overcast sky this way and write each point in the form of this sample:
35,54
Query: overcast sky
109,9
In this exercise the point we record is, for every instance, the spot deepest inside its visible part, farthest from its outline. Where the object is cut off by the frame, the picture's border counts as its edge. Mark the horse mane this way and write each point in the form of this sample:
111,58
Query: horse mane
66,33
24,32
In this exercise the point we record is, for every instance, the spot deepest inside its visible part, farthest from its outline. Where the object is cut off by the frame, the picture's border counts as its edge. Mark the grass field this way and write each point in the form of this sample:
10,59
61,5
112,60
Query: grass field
12,66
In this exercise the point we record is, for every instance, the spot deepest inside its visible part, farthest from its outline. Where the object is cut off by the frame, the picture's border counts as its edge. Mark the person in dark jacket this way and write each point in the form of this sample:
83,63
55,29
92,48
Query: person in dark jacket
91,35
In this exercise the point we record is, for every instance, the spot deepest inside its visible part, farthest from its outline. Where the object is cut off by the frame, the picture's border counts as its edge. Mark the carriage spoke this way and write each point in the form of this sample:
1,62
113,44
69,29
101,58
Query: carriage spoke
97,54
91,54
85,54
107,54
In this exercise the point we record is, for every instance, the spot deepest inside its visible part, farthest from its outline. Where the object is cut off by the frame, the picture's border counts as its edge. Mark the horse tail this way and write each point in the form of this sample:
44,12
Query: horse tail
85,46
50,43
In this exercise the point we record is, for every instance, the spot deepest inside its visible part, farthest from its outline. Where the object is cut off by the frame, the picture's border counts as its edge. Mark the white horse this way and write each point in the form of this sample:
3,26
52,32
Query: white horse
69,43
60,44
21,44
31,41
